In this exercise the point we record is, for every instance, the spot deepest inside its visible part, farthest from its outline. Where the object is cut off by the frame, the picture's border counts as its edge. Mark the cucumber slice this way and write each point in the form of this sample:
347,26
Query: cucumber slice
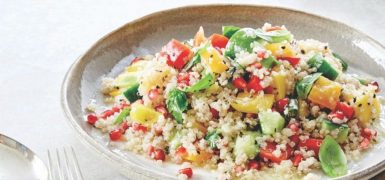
332,158
269,62
343,130
240,41
342,61
246,144
323,67
271,122
132,93
228,31
304,86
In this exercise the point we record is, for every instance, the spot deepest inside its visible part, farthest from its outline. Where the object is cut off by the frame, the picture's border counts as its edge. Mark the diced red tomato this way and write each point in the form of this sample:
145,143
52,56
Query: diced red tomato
261,54
177,53
153,94
150,151
115,135
311,144
186,171
139,127
347,110
295,139
292,60
136,59
253,164
368,133
375,83
274,28
294,127
267,153
219,41
281,104
107,113
297,159
181,151
336,114
254,84
159,154
268,90
92,118
183,78
365,143
162,110
214,113
239,83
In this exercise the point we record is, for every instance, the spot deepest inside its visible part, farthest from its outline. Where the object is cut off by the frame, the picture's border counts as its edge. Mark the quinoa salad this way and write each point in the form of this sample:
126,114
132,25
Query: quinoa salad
247,103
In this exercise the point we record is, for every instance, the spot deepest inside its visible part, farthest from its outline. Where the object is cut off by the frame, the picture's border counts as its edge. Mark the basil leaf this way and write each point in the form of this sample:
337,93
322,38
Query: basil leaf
274,36
269,62
204,83
176,103
240,41
333,160
228,31
212,138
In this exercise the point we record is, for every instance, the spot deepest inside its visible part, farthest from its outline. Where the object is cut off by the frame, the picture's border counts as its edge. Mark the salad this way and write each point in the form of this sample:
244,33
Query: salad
250,103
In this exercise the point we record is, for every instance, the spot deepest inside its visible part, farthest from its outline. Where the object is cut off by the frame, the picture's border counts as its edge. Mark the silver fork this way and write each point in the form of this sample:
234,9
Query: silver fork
64,165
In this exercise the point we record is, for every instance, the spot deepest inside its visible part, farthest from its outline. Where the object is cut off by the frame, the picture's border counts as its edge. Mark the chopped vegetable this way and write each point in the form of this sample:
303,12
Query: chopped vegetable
333,160
304,86
228,31
271,122
323,66
125,112
280,50
240,41
343,130
176,104
344,64
214,60
177,53
275,36
219,41
212,138
132,93
279,82
269,62
202,84
325,93
254,104
246,144
143,114
292,109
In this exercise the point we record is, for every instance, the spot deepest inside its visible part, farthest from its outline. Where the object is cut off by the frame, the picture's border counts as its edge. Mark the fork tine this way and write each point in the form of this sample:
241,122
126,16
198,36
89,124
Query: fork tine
78,172
67,165
60,173
50,165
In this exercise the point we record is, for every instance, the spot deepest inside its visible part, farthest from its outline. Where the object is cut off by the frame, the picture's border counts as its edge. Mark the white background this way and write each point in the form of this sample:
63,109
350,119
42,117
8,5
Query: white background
40,39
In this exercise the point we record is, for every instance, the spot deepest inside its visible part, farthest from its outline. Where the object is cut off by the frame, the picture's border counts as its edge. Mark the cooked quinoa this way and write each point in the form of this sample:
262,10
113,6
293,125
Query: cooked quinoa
248,103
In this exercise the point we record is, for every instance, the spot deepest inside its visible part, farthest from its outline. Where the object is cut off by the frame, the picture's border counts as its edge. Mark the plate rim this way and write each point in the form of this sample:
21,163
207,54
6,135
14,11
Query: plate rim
139,170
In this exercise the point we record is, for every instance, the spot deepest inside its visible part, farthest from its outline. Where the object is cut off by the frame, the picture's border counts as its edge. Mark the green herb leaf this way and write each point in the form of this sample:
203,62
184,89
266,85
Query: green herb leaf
333,160
304,86
269,62
123,114
202,84
275,36
212,138
240,41
196,59
176,103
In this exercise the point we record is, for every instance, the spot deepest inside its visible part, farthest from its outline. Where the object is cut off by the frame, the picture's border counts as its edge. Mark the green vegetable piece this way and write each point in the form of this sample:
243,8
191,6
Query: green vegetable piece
275,36
123,114
202,84
132,93
343,130
292,109
228,31
342,61
323,67
304,86
196,59
271,122
246,144
269,62
333,160
176,103
212,138
240,41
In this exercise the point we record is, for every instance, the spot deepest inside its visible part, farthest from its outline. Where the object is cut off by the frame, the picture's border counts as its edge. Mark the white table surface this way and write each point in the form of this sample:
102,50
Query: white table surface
40,39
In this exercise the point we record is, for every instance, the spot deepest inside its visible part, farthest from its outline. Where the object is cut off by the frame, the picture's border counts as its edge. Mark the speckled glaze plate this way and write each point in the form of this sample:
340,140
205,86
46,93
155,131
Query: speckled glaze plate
146,35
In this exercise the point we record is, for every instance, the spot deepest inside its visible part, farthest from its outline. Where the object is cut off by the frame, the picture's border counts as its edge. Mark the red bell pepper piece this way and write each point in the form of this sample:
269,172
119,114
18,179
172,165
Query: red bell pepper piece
219,41
347,110
177,53
292,60
311,144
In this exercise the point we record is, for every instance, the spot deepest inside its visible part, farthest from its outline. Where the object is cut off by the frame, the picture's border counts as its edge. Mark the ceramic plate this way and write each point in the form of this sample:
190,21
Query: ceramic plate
147,35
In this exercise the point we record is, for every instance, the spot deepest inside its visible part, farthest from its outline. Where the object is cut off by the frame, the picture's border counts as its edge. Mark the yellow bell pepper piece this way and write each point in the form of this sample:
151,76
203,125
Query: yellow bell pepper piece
325,93
138,66
114,93
254,104
280,49
200,158
363,109
279,82
214,60
143,114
